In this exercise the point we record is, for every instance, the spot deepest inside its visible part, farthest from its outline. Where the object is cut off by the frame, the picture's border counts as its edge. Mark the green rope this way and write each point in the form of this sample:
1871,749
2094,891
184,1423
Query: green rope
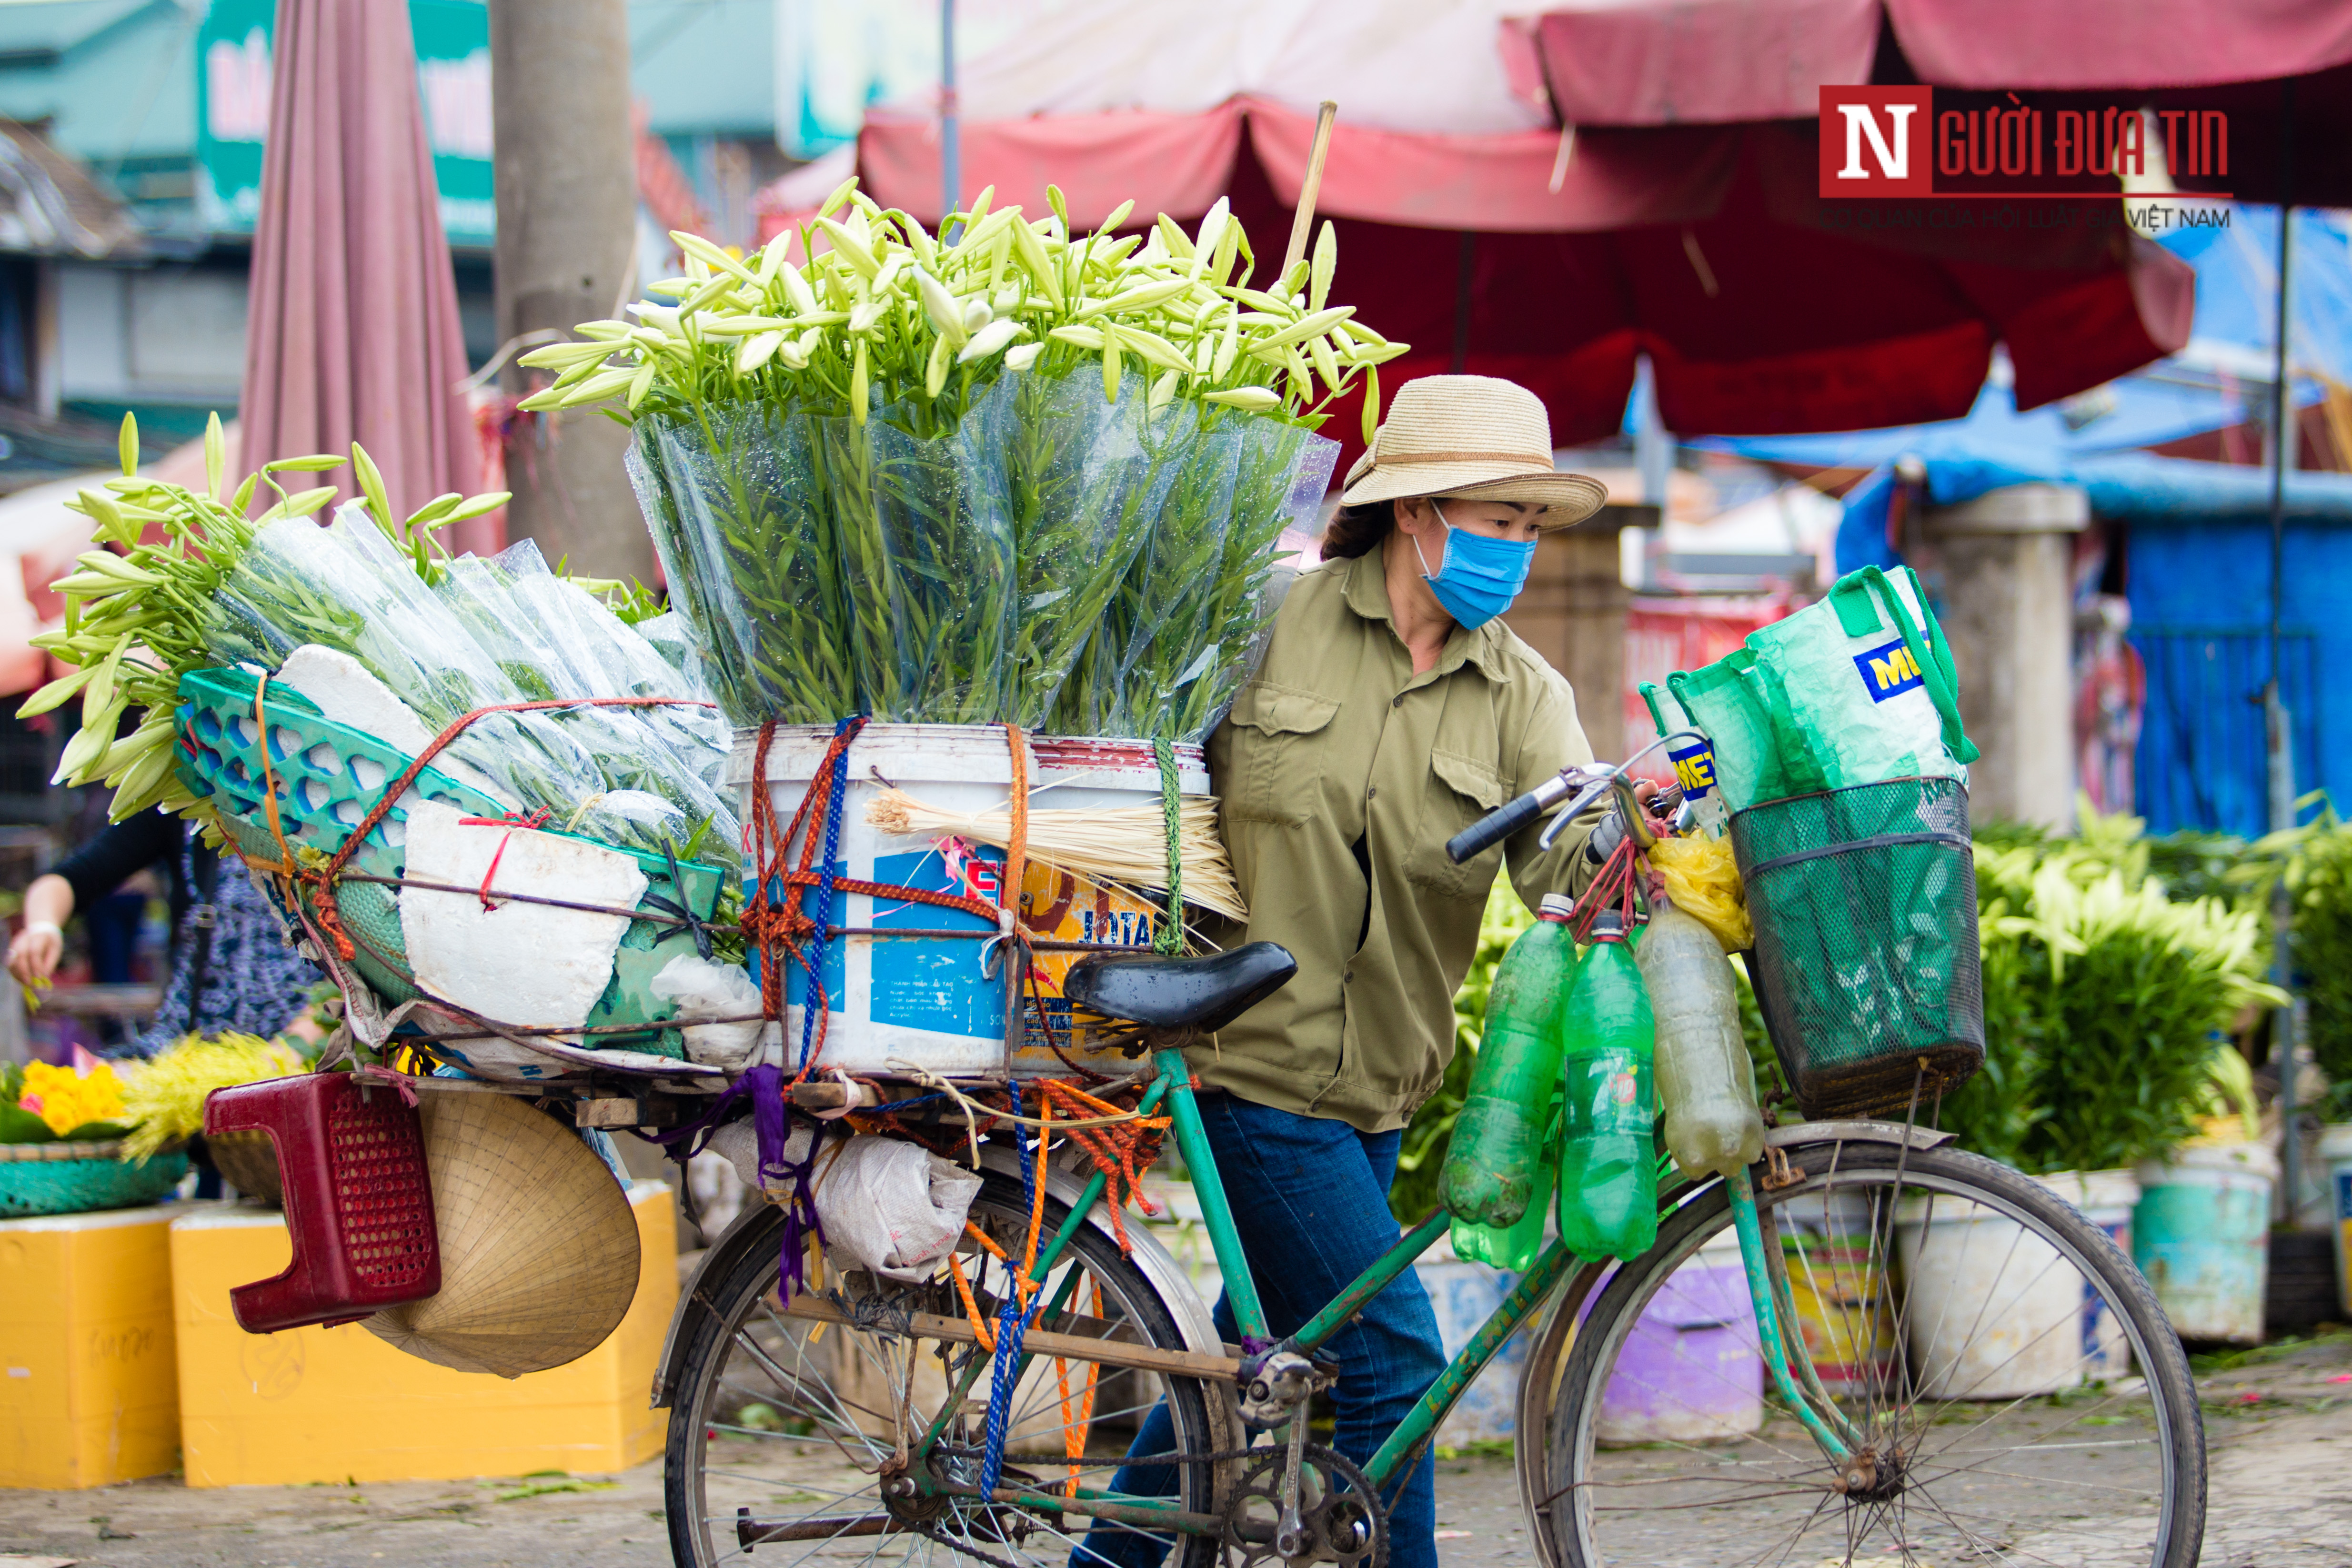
1170,938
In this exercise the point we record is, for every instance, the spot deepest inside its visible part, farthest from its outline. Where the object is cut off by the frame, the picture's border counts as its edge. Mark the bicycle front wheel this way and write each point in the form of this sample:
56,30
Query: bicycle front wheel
2005,1386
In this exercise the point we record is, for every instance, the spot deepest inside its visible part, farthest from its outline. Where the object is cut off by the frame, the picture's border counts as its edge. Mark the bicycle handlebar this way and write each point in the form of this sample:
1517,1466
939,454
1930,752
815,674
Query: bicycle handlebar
1602,778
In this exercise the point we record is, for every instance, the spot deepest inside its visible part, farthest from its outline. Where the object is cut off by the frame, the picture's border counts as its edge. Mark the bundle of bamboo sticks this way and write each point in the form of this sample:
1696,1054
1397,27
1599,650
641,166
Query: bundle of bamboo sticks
1126,844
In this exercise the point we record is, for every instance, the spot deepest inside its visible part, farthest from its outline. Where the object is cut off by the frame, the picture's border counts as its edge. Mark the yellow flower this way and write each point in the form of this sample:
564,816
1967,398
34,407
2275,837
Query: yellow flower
64,1099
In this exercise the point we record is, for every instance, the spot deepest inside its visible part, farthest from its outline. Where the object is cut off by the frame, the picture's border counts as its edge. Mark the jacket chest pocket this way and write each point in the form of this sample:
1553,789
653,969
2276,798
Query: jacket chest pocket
1281,740
1461,790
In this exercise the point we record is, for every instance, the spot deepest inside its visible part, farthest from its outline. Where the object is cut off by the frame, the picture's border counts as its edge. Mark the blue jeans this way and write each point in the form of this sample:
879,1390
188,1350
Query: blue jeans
1310,1200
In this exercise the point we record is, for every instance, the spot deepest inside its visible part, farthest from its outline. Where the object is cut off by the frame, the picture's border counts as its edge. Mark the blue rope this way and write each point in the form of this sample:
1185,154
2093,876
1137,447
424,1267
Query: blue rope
815,1001
1011,1327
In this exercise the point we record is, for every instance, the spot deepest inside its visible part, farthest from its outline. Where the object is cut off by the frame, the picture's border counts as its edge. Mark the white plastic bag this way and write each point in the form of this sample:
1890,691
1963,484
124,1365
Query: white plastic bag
894,1209
703,988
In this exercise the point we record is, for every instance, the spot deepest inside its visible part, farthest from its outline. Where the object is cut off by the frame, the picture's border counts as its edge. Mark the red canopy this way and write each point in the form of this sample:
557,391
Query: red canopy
1679,62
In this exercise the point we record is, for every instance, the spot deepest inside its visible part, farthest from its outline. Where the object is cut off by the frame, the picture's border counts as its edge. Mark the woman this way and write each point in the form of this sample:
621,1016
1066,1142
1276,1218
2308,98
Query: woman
1391,709
231,966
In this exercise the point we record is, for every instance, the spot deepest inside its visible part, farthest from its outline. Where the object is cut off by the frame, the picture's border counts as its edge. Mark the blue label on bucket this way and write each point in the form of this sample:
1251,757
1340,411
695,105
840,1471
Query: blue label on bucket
935,982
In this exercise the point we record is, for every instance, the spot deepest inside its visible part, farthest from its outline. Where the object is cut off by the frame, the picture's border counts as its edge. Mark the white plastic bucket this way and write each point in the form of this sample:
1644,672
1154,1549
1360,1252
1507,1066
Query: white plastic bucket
2201,1235
2336,1153
924,1001
1995,1312
2106,1199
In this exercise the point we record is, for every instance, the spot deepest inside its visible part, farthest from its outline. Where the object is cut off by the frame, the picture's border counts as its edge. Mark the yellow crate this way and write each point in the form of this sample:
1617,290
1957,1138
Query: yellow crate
327,1405
88,1394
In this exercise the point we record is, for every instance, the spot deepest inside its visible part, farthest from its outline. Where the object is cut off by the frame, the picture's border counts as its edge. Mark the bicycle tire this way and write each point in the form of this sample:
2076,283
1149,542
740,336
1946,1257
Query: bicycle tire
700,1538
1565,1483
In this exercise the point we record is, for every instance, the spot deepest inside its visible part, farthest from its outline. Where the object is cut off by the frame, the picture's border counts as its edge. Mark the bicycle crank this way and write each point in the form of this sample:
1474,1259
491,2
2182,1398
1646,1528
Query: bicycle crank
1339,1520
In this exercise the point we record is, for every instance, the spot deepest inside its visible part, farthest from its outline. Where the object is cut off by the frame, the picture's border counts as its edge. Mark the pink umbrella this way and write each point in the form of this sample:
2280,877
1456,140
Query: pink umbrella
354,333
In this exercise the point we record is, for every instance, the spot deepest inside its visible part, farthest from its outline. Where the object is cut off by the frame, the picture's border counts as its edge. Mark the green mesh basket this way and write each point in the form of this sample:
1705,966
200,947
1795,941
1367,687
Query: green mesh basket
29,1187
330,775
1866,963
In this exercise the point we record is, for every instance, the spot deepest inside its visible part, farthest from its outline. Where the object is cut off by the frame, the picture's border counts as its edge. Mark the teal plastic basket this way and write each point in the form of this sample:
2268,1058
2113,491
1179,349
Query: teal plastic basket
330,775
29,1187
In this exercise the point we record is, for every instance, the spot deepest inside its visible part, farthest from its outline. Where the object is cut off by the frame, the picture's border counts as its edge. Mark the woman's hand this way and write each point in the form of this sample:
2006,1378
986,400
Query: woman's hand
33,956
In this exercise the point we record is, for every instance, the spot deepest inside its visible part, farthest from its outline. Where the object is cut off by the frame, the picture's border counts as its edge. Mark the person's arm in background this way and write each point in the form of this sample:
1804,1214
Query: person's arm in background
88,874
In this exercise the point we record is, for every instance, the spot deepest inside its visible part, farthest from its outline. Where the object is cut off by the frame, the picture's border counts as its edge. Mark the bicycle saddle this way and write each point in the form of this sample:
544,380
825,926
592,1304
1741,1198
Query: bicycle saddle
1204,993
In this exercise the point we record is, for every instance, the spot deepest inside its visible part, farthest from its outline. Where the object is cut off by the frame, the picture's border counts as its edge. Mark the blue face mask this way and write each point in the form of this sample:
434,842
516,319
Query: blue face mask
1478,577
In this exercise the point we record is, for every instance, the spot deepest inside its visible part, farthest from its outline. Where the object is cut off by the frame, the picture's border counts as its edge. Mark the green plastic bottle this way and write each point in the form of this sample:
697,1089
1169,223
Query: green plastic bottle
1513,1249
1494,1160
1608,1171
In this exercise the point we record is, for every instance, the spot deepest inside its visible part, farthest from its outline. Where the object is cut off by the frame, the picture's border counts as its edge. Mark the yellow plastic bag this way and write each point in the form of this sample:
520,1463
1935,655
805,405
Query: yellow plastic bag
1703,881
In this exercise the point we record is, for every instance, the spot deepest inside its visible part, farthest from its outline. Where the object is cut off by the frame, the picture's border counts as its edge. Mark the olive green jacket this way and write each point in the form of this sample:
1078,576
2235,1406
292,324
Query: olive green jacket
1341,774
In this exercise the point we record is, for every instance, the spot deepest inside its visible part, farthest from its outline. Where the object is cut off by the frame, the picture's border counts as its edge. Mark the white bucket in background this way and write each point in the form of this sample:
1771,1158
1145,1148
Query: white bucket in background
923,1000
1995,1312
2106,1199
2336,1153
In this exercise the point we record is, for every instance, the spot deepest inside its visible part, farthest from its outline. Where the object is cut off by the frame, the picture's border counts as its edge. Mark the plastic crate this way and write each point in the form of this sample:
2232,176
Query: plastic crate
329,777
359,1201
1866,965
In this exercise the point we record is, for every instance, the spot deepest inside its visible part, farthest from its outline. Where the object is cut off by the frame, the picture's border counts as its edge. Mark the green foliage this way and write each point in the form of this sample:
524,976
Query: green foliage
2321,887
1426,1138
2103,1000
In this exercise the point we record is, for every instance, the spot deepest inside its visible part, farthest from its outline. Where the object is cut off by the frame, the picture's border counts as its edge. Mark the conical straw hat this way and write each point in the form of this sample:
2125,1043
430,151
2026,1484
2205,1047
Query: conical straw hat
539,1248
1472,436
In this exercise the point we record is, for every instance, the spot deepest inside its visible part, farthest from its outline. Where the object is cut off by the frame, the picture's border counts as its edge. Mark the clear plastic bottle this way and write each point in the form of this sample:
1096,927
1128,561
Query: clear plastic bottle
1607,1171
1707,1085
1493,1162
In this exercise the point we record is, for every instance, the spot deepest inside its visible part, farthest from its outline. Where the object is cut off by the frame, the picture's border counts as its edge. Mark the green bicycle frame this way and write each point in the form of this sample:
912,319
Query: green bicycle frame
1171,1087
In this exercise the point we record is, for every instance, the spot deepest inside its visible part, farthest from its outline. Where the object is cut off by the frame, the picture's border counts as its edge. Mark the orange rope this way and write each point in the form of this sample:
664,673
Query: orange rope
970,1306
1074,1433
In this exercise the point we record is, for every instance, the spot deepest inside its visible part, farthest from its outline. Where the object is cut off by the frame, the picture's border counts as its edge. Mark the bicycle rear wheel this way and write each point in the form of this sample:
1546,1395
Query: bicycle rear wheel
2012,1388
802,1439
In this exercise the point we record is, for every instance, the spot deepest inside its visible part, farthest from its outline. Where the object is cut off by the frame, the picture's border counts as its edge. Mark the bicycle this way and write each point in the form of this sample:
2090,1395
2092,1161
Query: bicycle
1938,1361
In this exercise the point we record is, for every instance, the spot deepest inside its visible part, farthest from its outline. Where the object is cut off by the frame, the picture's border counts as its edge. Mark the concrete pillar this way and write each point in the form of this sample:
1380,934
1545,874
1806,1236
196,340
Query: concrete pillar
2001,567
1572,611
567,196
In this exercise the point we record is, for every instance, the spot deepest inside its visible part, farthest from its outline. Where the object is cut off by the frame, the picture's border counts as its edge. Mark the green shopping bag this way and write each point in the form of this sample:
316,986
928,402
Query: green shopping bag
1854,689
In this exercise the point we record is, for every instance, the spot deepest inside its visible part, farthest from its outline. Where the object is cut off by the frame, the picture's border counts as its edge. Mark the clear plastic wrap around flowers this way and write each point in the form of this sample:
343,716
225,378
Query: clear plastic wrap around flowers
489,633
1051,556
748,544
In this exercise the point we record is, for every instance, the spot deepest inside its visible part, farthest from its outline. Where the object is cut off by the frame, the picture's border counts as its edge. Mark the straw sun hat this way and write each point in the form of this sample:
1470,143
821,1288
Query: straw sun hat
1477,437
538,1246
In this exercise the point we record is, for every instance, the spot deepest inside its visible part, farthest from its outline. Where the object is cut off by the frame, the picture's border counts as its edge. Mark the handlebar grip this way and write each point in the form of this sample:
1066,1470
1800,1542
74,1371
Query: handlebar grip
1494,826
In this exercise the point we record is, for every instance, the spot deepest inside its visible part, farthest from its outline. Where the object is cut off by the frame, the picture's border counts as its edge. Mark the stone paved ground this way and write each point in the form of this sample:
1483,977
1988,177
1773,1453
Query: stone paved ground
2280,1429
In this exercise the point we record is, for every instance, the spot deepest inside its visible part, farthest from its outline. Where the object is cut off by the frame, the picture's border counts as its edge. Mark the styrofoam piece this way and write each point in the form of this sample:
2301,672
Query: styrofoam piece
523,963
348,692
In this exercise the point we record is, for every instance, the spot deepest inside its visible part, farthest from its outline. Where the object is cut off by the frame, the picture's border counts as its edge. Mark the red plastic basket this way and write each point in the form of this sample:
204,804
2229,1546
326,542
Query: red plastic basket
359,1201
